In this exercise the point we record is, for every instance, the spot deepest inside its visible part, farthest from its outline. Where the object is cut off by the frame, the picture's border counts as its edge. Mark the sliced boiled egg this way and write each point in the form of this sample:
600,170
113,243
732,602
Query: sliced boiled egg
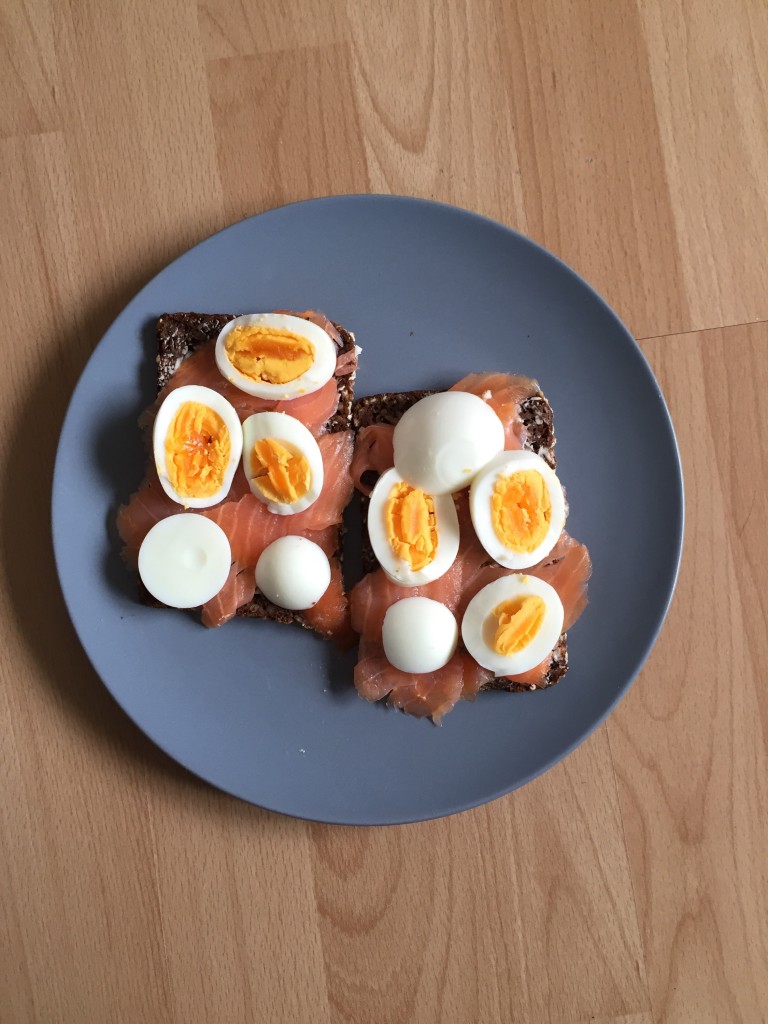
184,560
443,440
197,441
419,635
414,535
293,572
518,509
282,462
511,625
275,355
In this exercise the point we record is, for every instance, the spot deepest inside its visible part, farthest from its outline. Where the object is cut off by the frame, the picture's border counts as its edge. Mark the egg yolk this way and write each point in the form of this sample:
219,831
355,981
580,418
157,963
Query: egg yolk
517,622
197,451
521,510
280,473
411,525
269,354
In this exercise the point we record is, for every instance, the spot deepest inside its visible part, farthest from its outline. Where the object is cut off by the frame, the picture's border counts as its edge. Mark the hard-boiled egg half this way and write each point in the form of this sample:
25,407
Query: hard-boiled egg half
511,625
282,462
184,560
414,535
518,509
443,440
197,442
419,635
275,355
293,572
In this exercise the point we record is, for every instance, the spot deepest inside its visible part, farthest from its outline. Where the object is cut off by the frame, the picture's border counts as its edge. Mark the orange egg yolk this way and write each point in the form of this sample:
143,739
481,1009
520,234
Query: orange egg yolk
517,622
282,474
411,525
269,354
521,510
197,451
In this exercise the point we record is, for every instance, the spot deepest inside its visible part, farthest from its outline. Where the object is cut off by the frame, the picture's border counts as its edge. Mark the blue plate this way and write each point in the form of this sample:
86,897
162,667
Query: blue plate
269,713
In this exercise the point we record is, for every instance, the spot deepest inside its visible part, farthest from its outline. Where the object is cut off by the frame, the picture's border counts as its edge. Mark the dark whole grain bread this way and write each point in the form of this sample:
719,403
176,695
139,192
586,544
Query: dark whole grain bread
538,420
181,334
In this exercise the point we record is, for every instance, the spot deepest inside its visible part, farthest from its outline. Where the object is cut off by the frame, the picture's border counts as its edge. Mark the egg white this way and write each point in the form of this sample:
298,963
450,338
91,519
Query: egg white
163,420
293,572
319,373
295,436
478,625
419,635
184,560
399,570
505,464
443,440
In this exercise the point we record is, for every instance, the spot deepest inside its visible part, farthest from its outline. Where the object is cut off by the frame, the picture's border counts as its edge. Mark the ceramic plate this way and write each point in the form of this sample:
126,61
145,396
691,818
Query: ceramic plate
268,712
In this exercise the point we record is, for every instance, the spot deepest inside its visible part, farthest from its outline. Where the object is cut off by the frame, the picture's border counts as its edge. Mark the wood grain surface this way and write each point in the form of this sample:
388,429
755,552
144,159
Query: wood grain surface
630,883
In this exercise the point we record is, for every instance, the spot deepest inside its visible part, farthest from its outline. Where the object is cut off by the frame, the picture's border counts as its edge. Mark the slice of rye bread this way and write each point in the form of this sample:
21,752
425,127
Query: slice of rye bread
536,415
181,334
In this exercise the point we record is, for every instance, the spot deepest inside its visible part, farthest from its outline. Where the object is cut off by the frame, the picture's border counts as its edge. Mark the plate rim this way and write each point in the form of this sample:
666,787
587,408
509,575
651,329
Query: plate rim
394,819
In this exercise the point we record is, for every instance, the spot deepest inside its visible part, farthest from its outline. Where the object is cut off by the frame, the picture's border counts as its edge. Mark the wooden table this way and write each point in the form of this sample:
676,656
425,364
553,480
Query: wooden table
629,884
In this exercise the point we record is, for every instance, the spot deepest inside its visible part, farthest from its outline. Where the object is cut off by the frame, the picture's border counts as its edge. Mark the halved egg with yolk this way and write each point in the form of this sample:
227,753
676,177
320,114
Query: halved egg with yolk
282,462
511,625
275,355
518,508
196,442
414,535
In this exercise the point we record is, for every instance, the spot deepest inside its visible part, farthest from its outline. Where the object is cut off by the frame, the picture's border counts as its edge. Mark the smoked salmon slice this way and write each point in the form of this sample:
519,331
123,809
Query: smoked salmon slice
374,448
314,410
330,616
567,569
251,527
471,571
248,524
236,591
504,392
374,453
146,506
429,694
319,319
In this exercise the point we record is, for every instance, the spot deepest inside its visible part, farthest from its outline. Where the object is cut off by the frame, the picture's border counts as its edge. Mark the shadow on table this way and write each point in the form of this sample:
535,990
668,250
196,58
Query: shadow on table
35,600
